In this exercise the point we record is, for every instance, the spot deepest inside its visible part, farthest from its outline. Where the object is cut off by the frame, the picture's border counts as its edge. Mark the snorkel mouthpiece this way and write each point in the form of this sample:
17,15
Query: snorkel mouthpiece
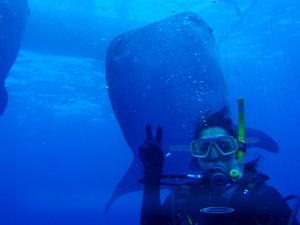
235,174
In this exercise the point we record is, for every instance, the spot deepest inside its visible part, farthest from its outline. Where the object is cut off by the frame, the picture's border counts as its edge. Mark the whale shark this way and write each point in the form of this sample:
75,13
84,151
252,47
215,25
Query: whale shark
167,73
13,19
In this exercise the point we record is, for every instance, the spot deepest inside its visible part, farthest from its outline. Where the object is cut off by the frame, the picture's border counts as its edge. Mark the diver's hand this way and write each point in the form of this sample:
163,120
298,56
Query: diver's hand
151,154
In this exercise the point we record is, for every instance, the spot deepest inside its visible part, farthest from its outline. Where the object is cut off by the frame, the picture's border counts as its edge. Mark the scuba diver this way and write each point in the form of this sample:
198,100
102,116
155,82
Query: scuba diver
228,192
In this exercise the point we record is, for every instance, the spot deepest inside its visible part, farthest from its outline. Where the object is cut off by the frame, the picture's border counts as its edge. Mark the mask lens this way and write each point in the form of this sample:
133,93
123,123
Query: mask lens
200,148
226,144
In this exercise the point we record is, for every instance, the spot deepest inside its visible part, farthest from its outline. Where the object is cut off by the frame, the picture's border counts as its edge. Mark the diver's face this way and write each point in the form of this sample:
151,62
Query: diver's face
214,158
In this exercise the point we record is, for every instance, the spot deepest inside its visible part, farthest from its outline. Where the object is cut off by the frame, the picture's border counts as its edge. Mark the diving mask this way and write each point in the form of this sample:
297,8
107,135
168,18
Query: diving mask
226,145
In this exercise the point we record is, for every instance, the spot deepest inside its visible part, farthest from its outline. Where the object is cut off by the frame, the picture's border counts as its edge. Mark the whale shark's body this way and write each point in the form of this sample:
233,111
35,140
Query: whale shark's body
167,73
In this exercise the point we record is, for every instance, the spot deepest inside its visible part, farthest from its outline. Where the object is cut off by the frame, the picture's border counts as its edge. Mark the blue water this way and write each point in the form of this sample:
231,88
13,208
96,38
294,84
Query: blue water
62,152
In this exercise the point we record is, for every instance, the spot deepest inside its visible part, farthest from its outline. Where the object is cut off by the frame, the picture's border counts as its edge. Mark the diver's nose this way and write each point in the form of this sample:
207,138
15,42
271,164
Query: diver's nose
214,153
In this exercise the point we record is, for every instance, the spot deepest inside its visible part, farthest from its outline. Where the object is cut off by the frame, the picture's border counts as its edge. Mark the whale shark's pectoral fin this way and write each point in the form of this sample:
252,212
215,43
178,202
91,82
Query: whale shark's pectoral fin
254,139
130,181
258,139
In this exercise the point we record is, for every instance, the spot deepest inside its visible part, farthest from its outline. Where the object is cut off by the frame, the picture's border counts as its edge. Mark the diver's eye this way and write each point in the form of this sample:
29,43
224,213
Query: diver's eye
225,144
202,147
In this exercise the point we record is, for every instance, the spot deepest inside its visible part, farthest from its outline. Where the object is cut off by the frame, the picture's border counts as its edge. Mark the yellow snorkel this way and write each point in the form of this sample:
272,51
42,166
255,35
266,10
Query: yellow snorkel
234,173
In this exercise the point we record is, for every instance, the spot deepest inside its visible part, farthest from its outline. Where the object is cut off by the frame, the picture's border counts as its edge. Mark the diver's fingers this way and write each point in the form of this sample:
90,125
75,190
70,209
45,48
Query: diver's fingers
158,136
149,132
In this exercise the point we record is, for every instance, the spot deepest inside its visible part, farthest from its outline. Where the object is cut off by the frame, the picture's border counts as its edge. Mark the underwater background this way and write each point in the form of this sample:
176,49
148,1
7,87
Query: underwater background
62,152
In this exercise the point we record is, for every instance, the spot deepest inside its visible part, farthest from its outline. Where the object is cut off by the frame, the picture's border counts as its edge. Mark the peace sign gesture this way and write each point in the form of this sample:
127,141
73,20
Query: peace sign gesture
151,154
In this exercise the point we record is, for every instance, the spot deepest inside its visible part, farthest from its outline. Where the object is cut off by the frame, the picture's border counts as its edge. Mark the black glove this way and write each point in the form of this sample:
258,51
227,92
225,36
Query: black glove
151,154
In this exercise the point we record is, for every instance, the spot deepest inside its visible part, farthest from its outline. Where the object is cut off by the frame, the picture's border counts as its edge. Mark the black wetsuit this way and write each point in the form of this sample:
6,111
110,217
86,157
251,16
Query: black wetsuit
246,202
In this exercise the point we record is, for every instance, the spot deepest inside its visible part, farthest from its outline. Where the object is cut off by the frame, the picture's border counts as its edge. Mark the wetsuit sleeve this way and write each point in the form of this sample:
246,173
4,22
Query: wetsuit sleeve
277,206
151,213
152,157
169,210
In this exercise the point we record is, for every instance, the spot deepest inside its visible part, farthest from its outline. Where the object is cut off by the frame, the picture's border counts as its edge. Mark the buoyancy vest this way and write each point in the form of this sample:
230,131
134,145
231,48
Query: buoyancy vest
240,202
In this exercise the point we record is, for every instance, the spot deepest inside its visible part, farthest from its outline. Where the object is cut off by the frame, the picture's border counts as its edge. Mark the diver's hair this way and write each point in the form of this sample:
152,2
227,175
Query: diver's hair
217,119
